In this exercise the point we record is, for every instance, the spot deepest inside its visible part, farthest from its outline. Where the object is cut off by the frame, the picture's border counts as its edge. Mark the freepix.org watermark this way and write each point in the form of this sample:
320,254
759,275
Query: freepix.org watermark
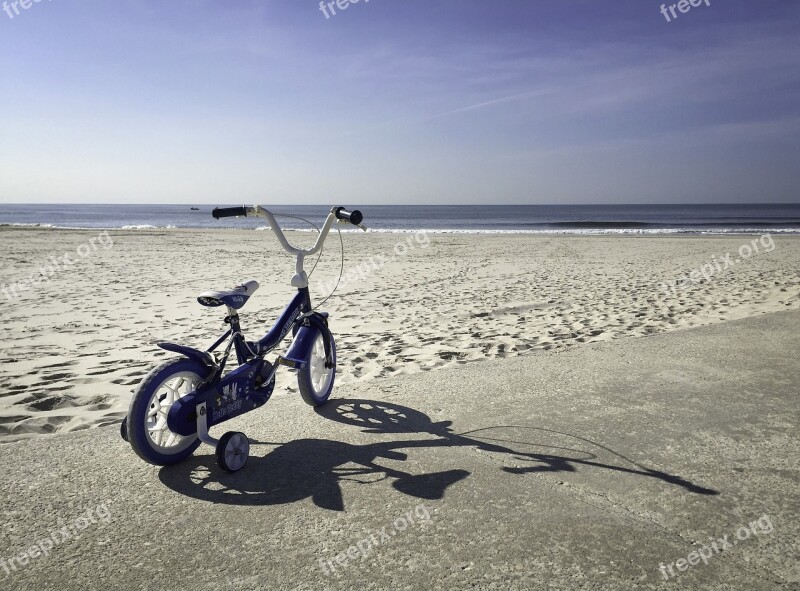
55,265
363,548
365,268
761,526
329,8
684,6
719,265
42,547
12,8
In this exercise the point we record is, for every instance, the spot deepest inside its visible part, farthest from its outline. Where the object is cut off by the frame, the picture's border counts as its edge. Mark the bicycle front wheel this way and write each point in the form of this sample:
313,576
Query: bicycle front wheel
315,380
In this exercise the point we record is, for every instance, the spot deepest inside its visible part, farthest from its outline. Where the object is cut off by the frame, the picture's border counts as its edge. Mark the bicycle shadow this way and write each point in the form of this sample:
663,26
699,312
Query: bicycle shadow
314,468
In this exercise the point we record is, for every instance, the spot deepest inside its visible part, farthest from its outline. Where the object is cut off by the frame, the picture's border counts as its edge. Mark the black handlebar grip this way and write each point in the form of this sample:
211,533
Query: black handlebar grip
355,217
229,212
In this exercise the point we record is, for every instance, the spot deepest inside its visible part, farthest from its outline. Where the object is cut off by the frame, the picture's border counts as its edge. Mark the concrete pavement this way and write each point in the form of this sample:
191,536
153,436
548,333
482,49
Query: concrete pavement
586,469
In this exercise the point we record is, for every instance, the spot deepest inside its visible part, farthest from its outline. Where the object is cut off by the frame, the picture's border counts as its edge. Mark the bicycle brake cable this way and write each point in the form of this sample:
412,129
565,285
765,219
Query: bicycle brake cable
341,272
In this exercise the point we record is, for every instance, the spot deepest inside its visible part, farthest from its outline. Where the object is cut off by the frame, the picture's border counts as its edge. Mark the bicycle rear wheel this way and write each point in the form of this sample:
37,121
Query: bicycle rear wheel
147,428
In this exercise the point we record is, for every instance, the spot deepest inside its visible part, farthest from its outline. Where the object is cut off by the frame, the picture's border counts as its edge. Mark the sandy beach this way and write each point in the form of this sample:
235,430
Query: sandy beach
76,345
513,412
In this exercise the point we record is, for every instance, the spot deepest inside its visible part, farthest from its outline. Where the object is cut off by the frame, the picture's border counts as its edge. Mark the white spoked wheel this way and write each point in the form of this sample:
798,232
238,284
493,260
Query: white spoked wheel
233,450
161,438
316,380
146,427
321,376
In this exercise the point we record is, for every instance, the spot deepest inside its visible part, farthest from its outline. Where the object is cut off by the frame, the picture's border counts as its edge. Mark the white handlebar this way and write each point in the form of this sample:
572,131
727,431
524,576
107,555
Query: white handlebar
300,279
258,211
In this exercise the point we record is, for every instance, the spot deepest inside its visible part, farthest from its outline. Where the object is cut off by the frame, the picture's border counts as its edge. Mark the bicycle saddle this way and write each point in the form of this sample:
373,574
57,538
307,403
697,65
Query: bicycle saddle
235,298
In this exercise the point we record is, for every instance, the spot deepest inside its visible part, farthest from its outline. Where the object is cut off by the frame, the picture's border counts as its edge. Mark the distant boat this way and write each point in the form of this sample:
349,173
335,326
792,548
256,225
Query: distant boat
195,208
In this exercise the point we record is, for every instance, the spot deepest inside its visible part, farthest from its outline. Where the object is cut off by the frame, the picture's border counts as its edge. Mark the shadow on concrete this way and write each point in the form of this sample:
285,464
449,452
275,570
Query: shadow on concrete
314,468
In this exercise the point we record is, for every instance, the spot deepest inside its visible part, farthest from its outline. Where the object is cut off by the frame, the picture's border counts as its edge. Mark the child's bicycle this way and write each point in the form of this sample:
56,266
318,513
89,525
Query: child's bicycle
180,400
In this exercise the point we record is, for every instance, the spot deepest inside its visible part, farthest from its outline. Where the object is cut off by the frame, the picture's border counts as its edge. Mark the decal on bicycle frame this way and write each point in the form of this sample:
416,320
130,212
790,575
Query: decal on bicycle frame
289,323
228,403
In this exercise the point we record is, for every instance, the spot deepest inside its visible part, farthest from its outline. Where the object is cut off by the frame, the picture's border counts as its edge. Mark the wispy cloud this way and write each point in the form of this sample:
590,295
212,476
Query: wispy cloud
490,103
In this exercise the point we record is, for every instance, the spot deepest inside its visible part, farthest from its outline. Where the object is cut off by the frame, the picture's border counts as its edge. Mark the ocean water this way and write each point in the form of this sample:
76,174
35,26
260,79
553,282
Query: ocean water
569,219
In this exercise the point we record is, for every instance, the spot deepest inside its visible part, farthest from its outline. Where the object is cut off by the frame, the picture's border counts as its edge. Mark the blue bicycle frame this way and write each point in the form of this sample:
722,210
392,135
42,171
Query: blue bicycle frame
250,385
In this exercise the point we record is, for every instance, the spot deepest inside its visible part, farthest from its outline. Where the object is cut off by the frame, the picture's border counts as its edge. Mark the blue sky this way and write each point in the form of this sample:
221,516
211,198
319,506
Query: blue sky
400,101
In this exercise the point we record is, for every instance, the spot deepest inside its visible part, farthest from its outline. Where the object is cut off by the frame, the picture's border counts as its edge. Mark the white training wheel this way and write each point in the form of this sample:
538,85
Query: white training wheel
232,451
